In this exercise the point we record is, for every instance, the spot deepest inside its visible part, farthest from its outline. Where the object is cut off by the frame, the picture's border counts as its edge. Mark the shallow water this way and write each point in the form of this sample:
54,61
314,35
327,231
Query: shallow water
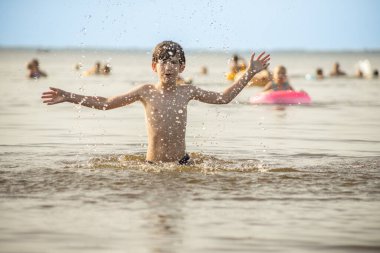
264,178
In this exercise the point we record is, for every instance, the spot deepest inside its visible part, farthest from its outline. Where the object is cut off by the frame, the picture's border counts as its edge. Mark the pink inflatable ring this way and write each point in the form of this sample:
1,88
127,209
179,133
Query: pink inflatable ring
287,97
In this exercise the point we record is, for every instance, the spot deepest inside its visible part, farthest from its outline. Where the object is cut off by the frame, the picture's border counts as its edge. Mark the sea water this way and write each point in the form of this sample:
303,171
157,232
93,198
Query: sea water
266,178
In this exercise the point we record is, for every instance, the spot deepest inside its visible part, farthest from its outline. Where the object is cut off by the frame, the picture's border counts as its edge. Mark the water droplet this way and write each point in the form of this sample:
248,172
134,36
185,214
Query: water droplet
180,111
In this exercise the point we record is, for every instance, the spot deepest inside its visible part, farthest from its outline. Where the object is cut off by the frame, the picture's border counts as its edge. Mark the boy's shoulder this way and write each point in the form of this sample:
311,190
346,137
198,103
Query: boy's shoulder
145,87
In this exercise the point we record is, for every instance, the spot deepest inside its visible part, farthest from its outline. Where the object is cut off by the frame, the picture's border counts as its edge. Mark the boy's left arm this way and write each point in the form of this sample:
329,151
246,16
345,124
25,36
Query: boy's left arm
255,66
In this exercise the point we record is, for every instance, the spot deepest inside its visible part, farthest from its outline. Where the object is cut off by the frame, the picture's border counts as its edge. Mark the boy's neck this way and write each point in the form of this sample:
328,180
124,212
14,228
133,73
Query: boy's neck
169,86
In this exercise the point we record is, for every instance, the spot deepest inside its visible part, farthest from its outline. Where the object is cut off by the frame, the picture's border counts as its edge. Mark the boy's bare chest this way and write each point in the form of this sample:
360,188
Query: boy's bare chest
167,103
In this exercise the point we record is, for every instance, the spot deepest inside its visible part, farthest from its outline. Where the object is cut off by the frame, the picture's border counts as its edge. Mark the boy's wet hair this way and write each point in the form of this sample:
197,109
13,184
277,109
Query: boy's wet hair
167,49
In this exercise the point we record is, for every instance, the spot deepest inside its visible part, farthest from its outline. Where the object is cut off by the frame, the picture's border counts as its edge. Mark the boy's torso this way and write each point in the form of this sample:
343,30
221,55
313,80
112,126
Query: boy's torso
166,117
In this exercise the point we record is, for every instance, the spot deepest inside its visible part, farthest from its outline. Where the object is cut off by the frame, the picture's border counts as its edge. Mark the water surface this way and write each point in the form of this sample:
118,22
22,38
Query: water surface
265,178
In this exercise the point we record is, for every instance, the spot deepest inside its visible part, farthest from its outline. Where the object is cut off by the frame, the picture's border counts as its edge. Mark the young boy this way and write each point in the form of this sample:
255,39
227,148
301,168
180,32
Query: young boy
165,103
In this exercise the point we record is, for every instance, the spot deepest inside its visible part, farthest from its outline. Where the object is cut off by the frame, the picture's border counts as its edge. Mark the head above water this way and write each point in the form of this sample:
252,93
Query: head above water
166,50
279,74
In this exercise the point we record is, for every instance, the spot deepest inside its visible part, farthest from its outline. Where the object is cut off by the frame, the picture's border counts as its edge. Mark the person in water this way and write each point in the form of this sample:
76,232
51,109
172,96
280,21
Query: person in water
280,80
97,69
319,74
237,64
34,70
336,71
165,102
375,73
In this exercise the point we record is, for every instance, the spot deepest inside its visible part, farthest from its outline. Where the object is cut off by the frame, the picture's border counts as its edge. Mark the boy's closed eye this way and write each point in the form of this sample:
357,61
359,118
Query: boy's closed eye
168,61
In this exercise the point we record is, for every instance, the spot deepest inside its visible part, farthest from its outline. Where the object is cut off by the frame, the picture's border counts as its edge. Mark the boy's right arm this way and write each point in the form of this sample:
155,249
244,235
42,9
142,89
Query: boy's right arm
55,96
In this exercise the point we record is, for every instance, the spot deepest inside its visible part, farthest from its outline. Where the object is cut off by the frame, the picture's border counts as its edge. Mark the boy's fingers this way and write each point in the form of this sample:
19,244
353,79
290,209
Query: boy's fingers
265,60
266,57
49,93
258,58
252,56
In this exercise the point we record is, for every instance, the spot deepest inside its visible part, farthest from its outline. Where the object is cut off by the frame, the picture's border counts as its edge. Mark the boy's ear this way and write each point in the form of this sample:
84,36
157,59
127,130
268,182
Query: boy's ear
154,66
182,68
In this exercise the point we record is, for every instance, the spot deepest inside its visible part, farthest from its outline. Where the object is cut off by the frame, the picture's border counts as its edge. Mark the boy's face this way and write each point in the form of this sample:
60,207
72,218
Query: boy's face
168,70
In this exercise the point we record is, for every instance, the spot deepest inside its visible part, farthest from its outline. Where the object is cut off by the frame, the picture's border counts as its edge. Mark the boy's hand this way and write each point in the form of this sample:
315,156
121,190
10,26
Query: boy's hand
261,63
54,96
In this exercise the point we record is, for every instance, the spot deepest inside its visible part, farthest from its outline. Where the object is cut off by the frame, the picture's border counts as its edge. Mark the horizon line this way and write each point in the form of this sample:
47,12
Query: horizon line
89,48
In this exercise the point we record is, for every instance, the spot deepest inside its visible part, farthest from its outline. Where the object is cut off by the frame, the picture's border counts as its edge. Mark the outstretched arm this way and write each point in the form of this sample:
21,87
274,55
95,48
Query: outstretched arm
255,66
55,96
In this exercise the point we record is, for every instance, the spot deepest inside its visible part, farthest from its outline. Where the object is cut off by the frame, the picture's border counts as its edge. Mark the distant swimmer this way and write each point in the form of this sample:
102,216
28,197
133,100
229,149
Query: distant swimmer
95,70
375,74
98,69
106,70
279,91
319,74
336,71
261,78
280,80
78,66
359,74
363,69
237,64
34,70
204,71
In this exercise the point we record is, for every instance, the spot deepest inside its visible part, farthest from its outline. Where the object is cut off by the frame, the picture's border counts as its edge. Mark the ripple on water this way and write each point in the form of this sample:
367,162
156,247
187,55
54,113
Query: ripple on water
199,163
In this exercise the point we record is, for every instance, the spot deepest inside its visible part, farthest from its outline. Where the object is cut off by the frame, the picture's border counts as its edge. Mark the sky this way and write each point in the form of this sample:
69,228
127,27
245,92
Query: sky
209,25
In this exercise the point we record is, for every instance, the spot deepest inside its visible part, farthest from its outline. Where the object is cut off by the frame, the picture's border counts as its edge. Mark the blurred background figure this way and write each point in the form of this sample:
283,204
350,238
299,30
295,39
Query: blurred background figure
363,69
237,64
336,71
319,74
204,71
375,73
78,66
98,69
359,73
261,78
280,80
94,70
34,70
106,70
